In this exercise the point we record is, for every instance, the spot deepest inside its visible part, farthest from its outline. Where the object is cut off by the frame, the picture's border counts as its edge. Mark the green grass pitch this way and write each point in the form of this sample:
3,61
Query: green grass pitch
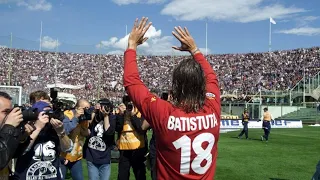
290,154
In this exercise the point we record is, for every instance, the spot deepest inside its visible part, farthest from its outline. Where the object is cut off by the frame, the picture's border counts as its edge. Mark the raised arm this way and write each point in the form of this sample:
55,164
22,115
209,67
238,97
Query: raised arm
135,88
147,103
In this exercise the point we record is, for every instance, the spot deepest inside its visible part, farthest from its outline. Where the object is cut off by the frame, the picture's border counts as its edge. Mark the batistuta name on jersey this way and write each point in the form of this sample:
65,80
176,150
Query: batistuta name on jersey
192,123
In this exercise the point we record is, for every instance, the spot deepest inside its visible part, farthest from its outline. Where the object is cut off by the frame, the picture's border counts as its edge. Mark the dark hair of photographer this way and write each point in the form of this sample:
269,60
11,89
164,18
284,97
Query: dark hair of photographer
11,136
37,96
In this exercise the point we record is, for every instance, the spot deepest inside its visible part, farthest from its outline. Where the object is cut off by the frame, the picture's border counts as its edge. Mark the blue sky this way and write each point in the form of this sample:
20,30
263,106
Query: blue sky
99,26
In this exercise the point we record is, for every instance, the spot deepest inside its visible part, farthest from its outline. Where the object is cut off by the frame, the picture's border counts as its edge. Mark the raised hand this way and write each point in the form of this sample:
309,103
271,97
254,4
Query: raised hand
186,40
137,33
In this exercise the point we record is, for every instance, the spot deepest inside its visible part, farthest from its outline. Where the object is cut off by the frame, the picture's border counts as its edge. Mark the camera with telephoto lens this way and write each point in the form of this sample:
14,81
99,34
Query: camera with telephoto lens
28,114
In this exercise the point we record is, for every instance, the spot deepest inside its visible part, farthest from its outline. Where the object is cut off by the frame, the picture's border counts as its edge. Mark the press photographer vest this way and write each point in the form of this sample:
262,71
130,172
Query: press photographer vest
129,138
76,137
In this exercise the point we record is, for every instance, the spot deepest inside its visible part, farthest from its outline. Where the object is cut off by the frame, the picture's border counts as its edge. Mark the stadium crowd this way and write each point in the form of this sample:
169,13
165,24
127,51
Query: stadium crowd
240,74
48,140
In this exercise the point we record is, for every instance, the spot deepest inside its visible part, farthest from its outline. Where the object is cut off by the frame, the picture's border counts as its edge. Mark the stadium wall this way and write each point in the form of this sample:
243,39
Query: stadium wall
279,111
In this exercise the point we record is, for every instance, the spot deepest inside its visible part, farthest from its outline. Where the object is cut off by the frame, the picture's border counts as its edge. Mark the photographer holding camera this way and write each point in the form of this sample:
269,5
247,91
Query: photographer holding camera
132,142
98,145
76,123
12,141
41,159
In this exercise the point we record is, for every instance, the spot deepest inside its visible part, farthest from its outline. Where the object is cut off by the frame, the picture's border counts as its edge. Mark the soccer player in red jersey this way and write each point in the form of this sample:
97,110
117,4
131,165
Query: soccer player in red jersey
187,130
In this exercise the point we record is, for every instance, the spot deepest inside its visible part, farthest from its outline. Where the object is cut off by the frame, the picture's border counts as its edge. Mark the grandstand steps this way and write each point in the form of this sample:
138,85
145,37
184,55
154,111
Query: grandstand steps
316,93
304,114
308,87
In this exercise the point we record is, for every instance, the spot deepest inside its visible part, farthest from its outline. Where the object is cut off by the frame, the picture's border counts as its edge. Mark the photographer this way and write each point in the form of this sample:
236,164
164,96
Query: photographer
97,148
12,141
41,159
132,142
76,123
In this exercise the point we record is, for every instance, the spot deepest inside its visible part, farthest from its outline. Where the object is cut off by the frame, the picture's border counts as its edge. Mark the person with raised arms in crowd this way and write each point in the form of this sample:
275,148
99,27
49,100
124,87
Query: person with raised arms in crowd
187,131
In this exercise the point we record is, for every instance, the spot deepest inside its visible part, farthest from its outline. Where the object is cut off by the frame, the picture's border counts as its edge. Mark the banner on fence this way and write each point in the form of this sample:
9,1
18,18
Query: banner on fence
237,124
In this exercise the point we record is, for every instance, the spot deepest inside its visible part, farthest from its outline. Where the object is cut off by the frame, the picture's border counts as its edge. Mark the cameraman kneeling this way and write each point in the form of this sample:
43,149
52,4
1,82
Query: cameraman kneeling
41,159
12,141
97,148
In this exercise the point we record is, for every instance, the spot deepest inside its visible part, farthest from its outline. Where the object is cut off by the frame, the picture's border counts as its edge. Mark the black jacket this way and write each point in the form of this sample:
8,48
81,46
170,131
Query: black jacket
10,146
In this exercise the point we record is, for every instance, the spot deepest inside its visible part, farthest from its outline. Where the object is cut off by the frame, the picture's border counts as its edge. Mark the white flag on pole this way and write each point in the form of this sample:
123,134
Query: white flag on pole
272,21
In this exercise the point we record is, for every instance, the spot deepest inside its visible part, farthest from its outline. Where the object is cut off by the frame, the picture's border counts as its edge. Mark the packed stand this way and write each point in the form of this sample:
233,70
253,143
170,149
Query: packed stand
241,74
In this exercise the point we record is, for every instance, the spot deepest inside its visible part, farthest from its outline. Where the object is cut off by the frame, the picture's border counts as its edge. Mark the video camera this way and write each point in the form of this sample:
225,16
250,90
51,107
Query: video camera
128,103
58,107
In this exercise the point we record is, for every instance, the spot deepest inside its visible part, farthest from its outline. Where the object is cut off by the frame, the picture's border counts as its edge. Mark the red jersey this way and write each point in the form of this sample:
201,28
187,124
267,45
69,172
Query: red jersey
186,143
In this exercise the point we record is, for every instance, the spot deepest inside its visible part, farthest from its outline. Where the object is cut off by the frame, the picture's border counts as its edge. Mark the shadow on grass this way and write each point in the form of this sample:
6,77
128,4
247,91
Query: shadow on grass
277,179
250,139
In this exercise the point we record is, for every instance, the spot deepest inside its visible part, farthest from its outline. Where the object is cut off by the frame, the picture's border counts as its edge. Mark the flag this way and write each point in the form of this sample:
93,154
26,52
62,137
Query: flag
272,21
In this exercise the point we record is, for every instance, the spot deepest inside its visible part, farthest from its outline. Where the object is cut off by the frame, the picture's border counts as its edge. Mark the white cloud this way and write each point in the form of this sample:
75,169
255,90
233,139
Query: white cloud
126,2
33,5
309,18
118,52
155,45
36,5
305,20
3,46
303,31
49,43
242,11
203,50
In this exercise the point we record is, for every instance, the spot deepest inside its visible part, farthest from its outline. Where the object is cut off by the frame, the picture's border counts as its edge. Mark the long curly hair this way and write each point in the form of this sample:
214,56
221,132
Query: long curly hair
188,86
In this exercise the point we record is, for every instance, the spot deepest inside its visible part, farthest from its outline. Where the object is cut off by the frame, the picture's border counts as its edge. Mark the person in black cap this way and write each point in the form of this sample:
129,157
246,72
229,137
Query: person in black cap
245,121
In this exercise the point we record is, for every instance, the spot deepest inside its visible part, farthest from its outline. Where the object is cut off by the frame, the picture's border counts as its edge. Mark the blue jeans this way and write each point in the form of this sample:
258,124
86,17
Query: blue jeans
98,171
75,168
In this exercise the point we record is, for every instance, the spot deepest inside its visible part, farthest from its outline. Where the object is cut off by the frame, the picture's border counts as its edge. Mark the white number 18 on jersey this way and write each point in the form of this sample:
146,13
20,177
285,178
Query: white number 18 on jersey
202,154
